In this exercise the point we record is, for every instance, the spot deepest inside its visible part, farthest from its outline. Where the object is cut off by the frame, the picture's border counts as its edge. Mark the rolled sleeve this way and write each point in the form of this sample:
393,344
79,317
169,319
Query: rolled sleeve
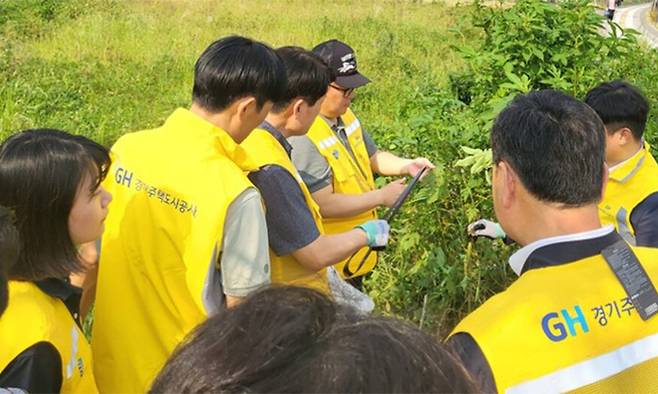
312,166
371,146
245,260
290,223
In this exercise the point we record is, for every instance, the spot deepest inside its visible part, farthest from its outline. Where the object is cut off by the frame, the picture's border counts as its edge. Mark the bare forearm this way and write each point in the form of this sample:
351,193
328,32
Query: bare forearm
232,301
337,205
388,164
328,250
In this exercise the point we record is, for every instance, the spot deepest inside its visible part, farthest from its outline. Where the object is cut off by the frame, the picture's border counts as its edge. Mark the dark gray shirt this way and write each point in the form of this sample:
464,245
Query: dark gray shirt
644,219
290,223
310,163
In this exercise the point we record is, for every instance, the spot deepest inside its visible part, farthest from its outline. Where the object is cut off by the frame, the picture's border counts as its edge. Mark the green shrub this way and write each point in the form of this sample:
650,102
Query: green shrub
432,274
104,68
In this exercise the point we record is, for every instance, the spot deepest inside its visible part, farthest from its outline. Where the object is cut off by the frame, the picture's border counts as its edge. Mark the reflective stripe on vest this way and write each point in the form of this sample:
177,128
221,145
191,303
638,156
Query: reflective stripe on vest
349,177
266,150
32,316
628,185
567,327
171,189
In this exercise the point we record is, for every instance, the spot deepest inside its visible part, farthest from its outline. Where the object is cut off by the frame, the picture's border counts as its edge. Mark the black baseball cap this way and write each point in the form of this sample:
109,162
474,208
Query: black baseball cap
342,61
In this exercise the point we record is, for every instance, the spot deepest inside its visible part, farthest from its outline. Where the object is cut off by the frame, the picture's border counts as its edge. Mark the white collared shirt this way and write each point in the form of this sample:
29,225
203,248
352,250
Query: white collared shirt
518,259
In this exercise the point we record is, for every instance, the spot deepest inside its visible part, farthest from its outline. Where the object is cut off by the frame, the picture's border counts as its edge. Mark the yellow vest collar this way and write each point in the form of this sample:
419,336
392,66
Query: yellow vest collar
183,120
625,170
277,135
518,260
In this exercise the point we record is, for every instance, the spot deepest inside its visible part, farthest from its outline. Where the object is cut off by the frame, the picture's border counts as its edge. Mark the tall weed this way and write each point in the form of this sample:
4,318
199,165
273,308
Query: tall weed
440,75
432,273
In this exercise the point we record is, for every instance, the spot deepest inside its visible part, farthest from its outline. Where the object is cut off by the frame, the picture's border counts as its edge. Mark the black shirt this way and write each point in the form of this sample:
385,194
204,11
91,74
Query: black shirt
644,219
38,369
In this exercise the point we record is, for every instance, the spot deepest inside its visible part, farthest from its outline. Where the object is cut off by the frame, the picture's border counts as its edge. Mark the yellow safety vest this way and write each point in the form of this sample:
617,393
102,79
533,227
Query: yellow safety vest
628,185
568,328
171,189
349,177
33,316
266,150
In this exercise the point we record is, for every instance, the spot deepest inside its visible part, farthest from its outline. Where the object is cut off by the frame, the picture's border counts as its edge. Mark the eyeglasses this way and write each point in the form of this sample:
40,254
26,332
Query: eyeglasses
346,92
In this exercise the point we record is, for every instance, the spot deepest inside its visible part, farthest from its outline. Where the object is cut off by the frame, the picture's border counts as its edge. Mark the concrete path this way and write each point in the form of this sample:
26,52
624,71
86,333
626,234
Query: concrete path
637,17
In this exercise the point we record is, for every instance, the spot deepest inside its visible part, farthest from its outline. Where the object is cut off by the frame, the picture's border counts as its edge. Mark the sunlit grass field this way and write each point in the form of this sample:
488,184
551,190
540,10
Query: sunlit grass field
104,68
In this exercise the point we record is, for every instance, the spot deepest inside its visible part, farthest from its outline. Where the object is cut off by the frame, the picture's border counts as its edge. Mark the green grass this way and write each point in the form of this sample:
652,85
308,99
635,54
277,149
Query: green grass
114,67
104,68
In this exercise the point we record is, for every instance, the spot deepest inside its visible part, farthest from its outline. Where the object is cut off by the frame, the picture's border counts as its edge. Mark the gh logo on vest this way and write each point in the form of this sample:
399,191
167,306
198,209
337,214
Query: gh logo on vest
123,177
553,324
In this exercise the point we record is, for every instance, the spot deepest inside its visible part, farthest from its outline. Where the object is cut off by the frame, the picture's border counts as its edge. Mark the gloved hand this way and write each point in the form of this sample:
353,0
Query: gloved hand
377,232
485,228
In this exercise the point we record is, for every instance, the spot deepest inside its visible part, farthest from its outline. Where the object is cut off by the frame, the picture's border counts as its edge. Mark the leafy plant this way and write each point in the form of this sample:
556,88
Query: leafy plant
104,68
432,274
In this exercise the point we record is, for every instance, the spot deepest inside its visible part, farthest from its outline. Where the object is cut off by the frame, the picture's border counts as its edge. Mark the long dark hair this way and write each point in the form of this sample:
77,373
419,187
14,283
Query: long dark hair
41,171
9,248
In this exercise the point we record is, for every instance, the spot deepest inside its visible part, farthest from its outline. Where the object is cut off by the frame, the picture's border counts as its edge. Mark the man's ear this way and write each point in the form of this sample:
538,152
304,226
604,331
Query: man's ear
298,105
621,136
247,106
625,136
509,182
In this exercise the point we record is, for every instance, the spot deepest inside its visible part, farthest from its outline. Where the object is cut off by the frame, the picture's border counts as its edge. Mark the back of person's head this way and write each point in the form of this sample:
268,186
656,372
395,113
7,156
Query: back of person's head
620,104
307,74
289,339
235,67
9,247
556,146
41,173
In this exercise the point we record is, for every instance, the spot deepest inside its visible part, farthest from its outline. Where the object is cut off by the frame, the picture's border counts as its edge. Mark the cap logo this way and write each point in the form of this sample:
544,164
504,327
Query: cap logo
349,63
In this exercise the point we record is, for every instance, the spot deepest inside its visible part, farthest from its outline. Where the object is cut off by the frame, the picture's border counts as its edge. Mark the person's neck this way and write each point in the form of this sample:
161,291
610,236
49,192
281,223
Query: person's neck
549,220
222,119
626,153
278,121
332,118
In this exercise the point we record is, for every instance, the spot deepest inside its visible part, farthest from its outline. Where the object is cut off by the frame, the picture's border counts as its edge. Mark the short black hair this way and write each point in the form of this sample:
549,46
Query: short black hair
555,144
308,76
290,339
9,248
620,104
234,67
41,171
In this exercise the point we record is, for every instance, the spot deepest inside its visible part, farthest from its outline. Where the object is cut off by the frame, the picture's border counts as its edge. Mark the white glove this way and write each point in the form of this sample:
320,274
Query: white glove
485,228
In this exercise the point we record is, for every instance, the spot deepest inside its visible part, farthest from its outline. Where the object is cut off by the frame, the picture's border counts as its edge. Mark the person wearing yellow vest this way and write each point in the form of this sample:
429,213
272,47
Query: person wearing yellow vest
51,180
630,201
187,236
570,322
299,252
337,158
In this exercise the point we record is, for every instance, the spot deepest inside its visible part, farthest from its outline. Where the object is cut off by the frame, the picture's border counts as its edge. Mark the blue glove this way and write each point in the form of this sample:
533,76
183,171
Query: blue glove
377,232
